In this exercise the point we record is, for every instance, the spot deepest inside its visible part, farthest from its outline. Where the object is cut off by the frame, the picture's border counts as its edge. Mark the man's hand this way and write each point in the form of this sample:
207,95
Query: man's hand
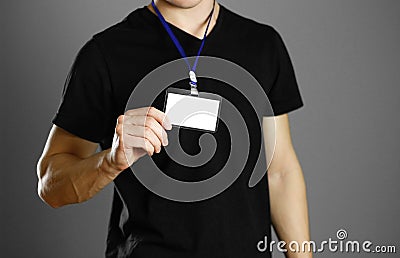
70,170
138,132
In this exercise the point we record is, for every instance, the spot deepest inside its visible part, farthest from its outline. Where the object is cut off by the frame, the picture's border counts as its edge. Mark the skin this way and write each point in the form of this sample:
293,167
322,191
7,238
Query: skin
287,189
189,15
70,171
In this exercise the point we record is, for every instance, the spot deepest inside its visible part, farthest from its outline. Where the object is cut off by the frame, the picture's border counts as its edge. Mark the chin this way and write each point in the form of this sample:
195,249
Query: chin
184,3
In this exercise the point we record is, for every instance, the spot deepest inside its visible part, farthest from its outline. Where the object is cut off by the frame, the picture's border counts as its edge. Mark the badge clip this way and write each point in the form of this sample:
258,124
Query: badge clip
193,84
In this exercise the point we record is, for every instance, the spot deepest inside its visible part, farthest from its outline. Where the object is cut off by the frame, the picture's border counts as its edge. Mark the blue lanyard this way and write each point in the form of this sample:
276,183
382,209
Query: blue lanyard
192,75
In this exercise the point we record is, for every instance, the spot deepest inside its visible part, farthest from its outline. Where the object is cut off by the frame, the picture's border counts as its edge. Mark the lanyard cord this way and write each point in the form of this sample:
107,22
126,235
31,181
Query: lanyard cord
192,75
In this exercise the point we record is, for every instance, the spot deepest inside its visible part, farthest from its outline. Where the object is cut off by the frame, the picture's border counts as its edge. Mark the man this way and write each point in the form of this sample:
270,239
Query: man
143,224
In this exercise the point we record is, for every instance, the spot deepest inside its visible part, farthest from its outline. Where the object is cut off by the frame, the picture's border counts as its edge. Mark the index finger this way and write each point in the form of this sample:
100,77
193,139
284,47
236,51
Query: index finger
160,116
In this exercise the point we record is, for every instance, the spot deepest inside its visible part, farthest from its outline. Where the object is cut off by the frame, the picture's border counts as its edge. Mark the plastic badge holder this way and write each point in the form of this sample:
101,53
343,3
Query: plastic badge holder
190,111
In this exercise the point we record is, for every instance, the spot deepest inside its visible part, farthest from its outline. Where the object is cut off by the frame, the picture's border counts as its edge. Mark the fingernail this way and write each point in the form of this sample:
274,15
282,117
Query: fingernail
167,124
165,142
164,139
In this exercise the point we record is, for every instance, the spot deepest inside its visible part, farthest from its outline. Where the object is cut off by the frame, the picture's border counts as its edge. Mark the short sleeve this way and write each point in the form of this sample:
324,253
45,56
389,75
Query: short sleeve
85,108
284,94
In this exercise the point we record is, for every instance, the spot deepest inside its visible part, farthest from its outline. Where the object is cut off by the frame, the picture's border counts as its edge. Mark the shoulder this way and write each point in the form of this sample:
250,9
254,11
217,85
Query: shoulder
129,28
248,27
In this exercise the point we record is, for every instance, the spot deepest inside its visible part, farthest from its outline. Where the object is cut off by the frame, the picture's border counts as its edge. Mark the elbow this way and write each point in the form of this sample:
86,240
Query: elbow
284,167
46,197
283,174
43,186
276,176
286,180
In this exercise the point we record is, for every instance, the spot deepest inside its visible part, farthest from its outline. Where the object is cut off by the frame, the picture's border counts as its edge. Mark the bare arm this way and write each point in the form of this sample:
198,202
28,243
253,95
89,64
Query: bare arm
70,171
289,212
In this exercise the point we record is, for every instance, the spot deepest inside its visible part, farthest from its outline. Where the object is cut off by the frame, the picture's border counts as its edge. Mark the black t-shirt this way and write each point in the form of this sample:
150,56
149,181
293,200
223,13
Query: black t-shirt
143,224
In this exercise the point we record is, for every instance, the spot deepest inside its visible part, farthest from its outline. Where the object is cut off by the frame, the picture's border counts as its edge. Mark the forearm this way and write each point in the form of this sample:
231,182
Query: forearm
289,208
66,179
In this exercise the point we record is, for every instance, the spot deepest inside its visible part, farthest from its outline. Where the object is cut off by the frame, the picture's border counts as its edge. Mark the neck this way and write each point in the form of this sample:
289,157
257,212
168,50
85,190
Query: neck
192,20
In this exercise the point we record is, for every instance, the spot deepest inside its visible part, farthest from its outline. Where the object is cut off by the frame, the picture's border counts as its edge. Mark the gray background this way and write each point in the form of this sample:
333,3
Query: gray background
346,58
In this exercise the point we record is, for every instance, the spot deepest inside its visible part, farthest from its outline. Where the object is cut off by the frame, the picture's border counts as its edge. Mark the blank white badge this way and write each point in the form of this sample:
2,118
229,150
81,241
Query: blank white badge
190,111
